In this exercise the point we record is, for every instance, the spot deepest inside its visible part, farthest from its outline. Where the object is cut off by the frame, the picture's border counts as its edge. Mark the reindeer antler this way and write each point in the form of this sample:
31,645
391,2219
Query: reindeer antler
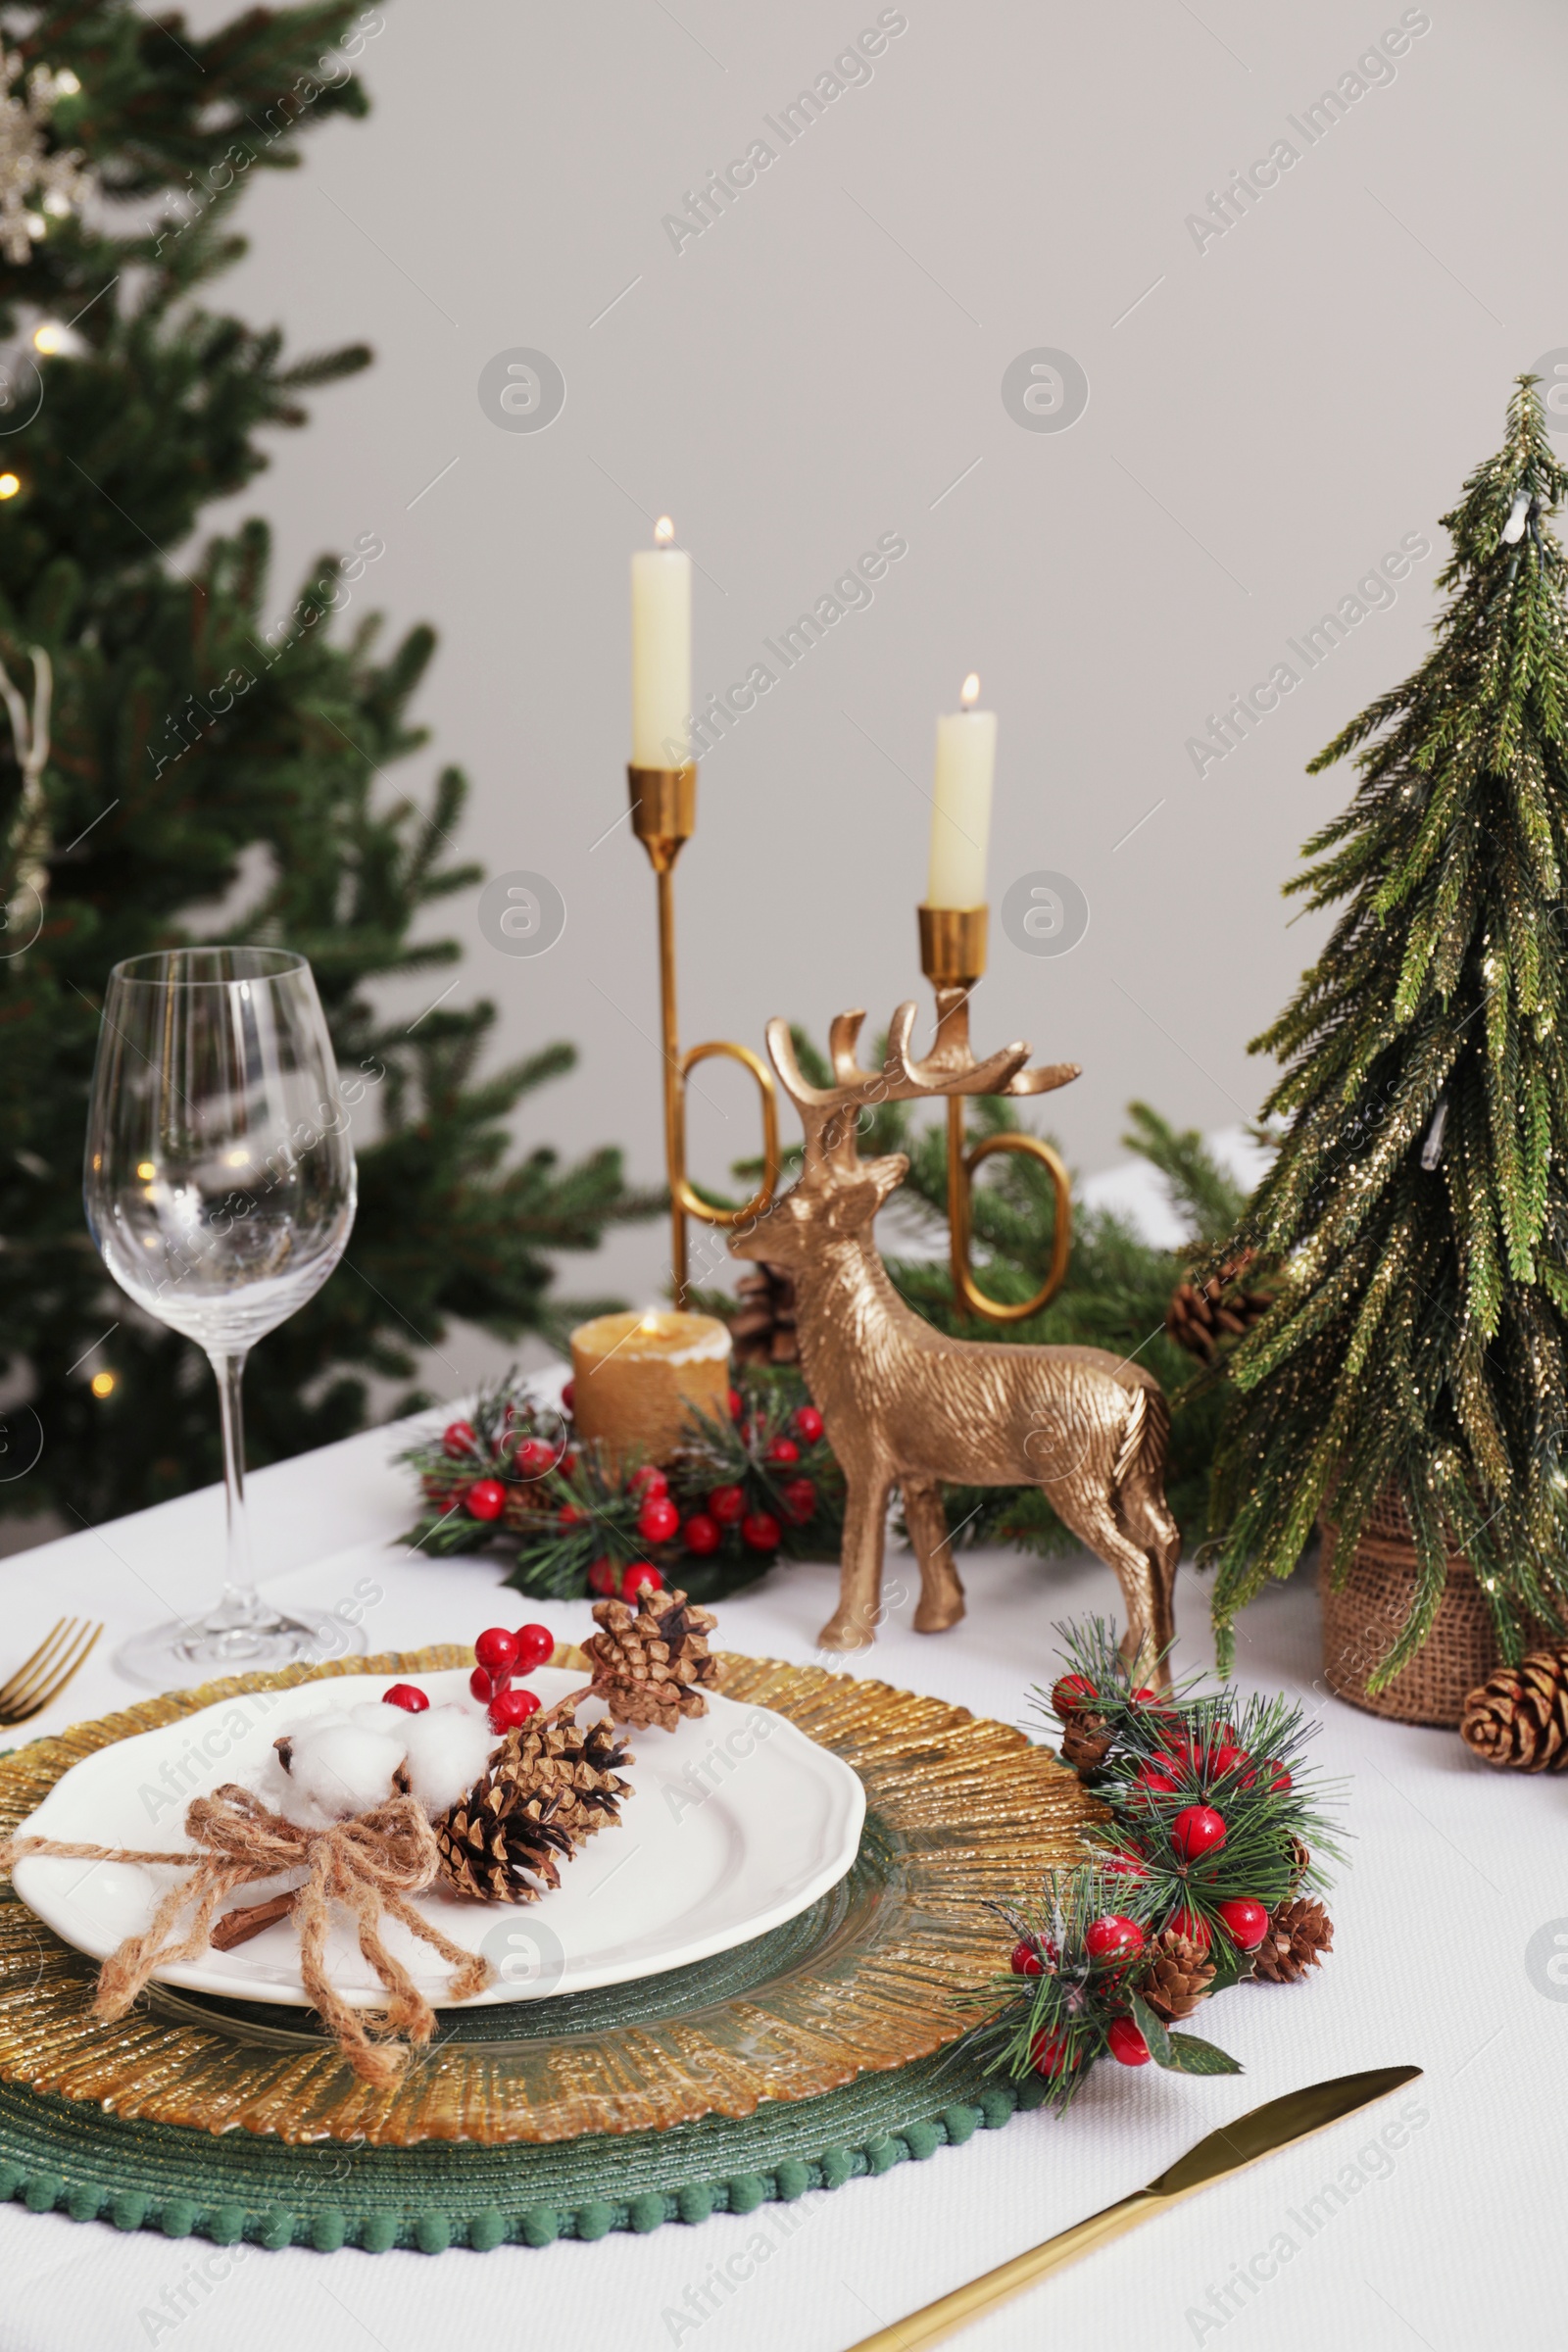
950,1068
821,1109
829,1115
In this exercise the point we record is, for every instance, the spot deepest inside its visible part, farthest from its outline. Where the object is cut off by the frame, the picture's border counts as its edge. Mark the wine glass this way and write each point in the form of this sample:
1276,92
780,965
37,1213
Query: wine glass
220,1190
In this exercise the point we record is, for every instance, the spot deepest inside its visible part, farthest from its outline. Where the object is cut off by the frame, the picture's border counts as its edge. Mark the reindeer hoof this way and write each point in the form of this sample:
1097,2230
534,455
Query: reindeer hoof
846,1632
934,1617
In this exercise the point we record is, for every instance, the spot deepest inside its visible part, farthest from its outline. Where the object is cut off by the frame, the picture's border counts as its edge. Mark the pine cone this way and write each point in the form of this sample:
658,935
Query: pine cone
652,1666
1300,1933
1085,1741
1519,1715
543,1795
1301,1862
1175,1977
1199,1319
761,1329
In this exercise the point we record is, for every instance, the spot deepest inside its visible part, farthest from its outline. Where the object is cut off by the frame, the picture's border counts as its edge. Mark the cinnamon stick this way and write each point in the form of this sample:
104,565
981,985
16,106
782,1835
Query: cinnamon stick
238,1926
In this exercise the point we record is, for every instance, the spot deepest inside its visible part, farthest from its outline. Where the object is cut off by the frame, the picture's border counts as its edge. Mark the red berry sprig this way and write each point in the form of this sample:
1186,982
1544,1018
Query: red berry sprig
498,1656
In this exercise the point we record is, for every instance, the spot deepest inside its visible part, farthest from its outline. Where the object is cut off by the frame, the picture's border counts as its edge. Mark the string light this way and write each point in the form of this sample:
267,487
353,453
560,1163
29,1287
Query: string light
10,484
103,1383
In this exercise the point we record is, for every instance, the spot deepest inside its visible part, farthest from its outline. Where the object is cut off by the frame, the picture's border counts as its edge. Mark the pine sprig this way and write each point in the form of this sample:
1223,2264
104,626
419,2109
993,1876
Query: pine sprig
1154,1918
570,1514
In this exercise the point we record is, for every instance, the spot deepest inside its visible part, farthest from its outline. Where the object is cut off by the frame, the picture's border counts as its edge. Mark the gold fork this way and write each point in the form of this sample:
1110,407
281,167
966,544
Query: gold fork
40,1679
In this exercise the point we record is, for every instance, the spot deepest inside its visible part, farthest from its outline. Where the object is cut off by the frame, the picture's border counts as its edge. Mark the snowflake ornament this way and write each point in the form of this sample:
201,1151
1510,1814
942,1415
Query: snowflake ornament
34,179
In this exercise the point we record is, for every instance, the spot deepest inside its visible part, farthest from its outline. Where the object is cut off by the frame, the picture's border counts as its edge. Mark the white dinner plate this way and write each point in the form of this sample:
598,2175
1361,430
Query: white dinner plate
736,1823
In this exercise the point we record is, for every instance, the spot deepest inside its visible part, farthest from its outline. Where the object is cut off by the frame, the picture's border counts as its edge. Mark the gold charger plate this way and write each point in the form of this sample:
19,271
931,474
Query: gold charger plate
960,1811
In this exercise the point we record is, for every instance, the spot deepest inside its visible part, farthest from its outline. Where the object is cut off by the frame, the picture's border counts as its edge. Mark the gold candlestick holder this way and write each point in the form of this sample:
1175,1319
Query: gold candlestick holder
664,818
953,958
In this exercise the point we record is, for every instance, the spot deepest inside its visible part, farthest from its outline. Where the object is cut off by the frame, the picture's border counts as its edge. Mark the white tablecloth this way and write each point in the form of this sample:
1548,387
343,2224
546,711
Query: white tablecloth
1449,2239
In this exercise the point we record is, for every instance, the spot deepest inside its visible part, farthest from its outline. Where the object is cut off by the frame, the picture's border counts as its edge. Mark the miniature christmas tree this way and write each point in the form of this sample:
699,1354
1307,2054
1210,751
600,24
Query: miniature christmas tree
201,752
1417,1213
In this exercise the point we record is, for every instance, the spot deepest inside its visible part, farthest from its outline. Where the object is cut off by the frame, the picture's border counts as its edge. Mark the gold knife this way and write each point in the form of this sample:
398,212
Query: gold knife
1275,2125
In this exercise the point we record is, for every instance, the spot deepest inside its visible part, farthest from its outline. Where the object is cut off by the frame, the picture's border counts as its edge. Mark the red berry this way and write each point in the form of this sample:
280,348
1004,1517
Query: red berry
1245,1922
1123,1863
1071,1692
533,1458
1279,1779
807,1424
1142,1696
648,1480
481,1685
736,1408
1191,1924
569,1396
1049,2054
1222,1760
568,1515
602,1577
536,1647
497,1652
1125,2044
406,1696
800,1499
512,1708
1033,1959
457,1438
1197,1830
762,1530
641,1572
658,1519
783,1451
486,1499
702,1534
728,1504
1113,1937
1154,1781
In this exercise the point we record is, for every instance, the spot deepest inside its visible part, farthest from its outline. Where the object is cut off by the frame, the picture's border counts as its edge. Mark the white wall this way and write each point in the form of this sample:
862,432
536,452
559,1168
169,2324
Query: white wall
1277,412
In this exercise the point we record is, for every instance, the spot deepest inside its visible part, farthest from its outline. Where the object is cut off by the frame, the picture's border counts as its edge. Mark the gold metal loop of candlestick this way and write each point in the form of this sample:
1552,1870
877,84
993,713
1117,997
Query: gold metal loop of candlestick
953,958
664,818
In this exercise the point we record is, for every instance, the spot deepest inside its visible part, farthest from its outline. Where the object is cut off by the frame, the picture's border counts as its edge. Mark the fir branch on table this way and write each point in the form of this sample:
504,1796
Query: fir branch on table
1191,1880
1418,1211
571,1516
1061,2004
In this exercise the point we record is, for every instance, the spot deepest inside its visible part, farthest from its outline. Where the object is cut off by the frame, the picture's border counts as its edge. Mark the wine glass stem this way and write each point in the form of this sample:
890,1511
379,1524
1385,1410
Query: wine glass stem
239,1590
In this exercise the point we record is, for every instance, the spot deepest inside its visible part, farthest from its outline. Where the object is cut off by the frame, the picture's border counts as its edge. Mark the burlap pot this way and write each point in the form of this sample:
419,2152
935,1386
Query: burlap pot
1362,1619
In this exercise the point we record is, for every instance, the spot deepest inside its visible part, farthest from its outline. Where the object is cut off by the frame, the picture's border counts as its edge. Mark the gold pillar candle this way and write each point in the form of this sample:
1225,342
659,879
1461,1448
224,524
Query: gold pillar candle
634,1376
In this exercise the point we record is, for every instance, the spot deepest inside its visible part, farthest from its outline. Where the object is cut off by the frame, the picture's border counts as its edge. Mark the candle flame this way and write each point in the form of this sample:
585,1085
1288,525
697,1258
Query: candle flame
650,1321
969,691
663,531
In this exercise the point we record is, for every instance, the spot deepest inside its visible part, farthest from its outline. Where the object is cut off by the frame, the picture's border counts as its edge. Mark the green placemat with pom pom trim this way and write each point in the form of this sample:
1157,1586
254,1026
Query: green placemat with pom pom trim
959,1810
58,2155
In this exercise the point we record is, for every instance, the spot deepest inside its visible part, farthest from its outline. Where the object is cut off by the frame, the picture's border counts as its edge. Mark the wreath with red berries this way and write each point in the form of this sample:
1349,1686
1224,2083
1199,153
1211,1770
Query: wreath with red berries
1201,1875
743,1490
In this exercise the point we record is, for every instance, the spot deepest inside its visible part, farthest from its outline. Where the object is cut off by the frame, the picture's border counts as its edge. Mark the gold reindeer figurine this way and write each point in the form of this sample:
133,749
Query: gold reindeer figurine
908,1407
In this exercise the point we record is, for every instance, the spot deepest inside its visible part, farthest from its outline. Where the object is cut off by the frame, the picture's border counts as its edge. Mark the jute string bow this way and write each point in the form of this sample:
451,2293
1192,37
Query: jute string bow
371,1863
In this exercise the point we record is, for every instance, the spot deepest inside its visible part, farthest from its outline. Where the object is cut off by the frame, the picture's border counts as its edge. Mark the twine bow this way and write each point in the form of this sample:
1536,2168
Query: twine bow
370,1864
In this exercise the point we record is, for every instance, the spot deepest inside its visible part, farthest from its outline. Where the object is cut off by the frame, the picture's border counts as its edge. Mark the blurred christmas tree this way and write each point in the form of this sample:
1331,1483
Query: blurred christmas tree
194,754
1419,1208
